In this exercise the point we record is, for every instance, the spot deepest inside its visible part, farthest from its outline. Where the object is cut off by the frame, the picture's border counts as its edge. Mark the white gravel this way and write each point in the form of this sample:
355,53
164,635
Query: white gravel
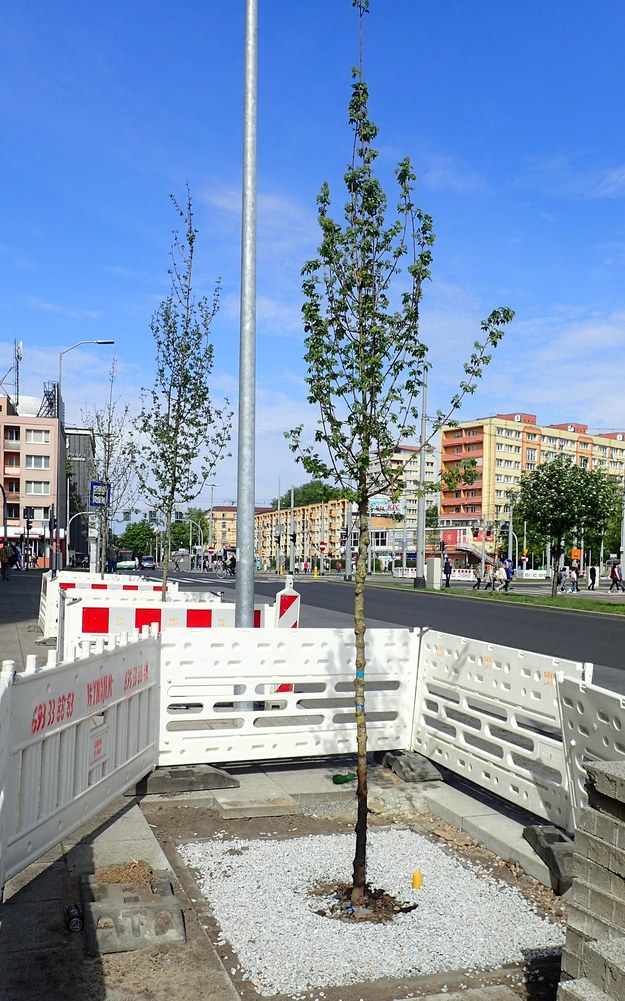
259,893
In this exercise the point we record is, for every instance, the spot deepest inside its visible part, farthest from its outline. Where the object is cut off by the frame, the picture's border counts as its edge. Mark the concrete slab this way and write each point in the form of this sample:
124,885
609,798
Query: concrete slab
123,918
311,784
500,834
496,993
454,806
257,796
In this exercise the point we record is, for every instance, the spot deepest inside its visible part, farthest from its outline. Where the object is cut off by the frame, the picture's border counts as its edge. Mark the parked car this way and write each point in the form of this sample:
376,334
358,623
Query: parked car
148,563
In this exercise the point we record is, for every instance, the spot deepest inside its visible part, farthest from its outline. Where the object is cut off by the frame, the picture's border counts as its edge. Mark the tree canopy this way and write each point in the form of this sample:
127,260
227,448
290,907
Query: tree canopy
313,492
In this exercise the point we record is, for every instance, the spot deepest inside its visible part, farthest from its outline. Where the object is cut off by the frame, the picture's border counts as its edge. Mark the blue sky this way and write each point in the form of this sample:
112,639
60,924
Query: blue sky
511,113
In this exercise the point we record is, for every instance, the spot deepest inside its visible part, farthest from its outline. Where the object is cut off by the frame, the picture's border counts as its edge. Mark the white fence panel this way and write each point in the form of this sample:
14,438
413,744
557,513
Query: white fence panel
593,728
71,580
6,682
81,734
245,694
491,713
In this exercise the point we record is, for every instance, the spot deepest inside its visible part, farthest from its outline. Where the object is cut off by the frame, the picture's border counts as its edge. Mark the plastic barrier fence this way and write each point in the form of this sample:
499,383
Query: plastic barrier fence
69,580
99,614
491,713
79,734
223,694
593,721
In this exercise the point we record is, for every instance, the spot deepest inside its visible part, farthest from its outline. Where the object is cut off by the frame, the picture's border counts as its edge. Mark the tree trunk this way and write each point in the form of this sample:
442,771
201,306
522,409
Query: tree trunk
360,857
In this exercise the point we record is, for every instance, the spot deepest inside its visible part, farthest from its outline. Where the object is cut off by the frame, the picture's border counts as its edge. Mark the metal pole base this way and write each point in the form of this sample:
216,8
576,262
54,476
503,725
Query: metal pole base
419,582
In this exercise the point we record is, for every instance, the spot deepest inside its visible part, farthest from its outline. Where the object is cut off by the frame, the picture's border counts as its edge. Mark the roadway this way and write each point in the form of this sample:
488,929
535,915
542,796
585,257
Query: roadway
586,636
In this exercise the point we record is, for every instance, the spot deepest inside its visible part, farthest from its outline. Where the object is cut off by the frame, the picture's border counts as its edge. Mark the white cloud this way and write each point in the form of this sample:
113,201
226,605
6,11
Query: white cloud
60,310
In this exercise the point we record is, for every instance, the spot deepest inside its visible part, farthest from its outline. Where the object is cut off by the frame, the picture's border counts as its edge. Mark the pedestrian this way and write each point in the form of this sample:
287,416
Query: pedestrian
501,577
488,577
6,557
111,558
592,578
447,571
18,556
305,566
509,572
176,562
573,579
477,573
616,578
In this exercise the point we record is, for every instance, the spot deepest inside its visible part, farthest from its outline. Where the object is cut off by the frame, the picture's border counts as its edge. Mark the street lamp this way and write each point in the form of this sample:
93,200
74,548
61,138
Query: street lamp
60,472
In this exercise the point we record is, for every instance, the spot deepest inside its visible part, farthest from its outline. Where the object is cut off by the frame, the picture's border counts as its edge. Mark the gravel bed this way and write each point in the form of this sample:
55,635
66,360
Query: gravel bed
259,893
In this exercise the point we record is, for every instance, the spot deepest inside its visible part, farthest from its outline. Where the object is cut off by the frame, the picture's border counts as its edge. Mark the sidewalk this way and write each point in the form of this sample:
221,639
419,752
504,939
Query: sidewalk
40,959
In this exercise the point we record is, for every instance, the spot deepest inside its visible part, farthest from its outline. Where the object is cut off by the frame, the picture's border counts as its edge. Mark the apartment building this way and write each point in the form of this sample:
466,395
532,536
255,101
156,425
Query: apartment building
504,447
29,449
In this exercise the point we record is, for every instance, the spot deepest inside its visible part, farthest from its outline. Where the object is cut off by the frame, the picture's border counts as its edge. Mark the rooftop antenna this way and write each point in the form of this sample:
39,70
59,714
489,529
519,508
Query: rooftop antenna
15,369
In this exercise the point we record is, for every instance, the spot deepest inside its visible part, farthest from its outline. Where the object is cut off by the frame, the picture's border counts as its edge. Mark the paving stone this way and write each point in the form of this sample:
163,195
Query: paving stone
257,796
555,848
122,917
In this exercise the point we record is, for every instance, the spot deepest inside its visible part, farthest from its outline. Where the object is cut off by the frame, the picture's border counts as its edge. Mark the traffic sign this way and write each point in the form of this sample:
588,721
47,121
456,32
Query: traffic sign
322,547
211,550
99,494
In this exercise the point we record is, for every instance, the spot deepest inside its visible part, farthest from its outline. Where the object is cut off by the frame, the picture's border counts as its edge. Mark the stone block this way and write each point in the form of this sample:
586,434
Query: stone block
604,965
602,826
608,778
589,925
596,850
604,906
598,876
582,990
555,848
611,807
184,778
410,766
121,918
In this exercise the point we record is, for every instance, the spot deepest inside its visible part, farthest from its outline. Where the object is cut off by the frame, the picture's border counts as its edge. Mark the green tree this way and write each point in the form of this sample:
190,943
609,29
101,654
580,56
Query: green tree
313,492
111,463
180,435
366,364
431,516
560,499
138,536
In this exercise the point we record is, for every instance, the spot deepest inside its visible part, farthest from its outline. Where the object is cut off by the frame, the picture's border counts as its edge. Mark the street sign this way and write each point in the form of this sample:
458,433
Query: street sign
322,547
94,525
211,550
99,494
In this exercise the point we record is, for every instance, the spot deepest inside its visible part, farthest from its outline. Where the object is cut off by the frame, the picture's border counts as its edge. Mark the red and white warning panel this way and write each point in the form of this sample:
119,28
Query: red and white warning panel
287,607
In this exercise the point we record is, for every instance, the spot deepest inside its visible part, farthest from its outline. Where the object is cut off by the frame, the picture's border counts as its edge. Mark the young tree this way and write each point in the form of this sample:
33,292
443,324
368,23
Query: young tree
366,363
180,435
112,464
560,498
139,537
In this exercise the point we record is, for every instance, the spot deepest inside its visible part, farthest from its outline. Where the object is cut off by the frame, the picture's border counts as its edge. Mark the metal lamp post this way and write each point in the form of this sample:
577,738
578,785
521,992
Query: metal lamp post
60,472
210,527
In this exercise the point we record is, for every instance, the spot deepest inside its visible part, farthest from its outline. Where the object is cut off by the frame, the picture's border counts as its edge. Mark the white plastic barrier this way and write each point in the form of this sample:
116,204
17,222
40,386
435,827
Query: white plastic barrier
223,697
80,734
491,713
68,580
99,615
593,722
6,681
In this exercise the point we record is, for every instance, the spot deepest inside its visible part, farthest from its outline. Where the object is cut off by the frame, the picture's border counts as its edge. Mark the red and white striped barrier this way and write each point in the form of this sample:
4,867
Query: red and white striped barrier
71,580
94,615
287,607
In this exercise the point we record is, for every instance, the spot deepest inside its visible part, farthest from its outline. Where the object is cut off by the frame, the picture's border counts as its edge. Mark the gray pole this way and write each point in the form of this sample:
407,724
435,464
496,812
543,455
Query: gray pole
419,580
348,542
510,528
292,550
622,550
244,588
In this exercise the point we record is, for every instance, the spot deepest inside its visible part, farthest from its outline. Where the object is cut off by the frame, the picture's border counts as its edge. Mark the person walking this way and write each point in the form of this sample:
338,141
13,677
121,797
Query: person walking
477,573
6,560
573,579
488,577
508,570
592,578
616,578
111,558
501,577
447,571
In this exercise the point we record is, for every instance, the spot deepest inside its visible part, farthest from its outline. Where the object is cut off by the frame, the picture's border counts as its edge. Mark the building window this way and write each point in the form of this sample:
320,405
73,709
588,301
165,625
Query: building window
37,462
13,512
12,461
37,436
11,434
37,487
531,454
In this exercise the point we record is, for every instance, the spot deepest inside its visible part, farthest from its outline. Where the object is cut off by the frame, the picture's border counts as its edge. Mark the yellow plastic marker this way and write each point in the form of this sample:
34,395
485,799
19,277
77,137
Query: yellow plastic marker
417,880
